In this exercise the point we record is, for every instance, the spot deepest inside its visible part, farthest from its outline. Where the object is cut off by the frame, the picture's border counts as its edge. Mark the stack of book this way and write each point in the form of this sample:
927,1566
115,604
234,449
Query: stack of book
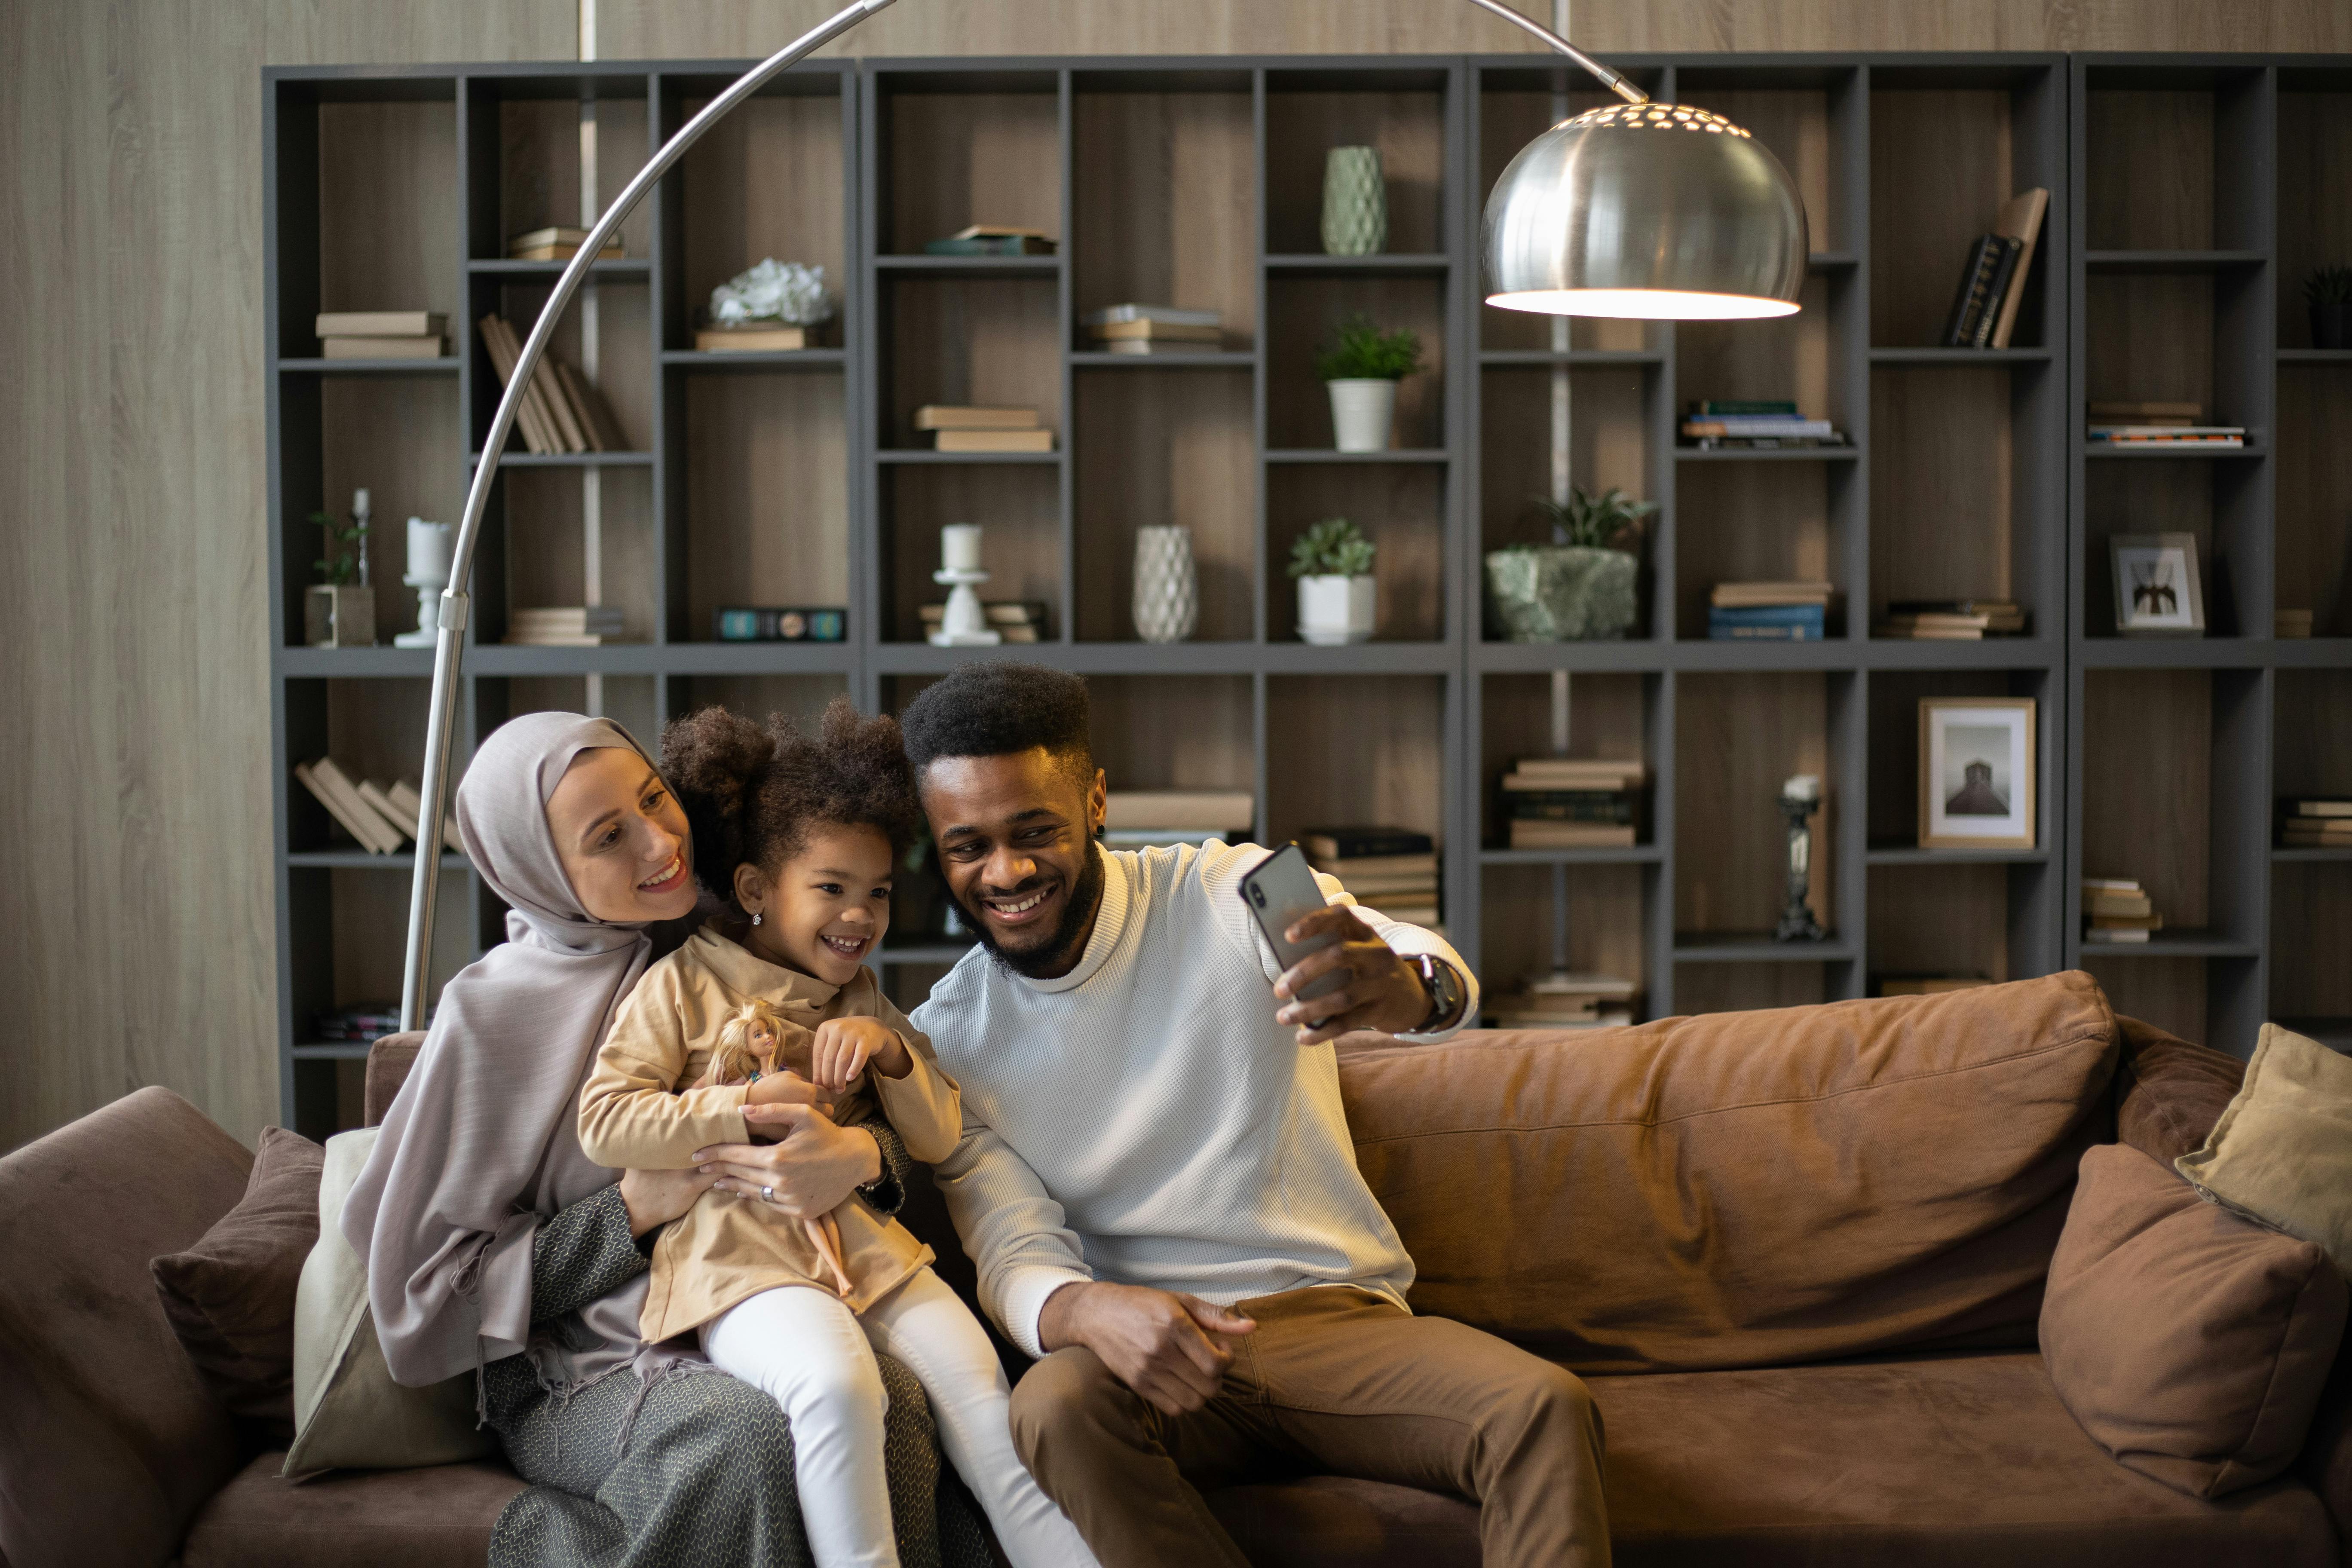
967,429
1768,612
383,334
1017,620
2117,908
362,1022
2290,623
564,625
1556,802
1153,818
1721,425
755,337
991,239
559,242
1563,1001
1154,330
381,816
2159,425
2315,824
561,410
1992,283
1390,870
1928,984
1952,620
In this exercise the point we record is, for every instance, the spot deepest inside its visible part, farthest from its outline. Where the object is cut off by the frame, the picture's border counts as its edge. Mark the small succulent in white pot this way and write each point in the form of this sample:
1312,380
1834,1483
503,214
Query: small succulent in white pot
1580,586
1333,562
1361,366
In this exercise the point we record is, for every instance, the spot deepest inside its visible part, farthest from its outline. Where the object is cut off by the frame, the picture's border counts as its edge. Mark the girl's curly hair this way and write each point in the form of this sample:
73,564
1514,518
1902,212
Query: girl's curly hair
754,792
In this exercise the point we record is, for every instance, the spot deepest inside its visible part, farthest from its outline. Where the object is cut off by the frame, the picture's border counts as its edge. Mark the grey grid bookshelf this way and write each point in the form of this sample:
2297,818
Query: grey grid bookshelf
794,478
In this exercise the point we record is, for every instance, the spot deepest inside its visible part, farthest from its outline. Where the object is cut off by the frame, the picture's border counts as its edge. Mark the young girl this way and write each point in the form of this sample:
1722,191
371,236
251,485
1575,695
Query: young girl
798,837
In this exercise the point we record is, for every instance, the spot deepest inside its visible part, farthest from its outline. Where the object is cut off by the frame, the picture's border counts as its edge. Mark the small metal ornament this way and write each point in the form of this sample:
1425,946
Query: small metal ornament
1800,798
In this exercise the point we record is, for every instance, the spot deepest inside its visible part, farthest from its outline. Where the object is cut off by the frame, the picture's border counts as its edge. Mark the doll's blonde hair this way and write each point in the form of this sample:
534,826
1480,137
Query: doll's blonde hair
734,1057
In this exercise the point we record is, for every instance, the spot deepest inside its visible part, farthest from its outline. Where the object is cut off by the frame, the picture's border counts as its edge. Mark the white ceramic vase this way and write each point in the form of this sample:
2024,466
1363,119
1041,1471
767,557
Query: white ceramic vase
1362,412
1334,610
1166,584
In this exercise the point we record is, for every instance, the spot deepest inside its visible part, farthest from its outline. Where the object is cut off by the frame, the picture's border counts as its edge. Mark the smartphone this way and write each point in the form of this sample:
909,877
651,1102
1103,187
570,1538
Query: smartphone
1281,889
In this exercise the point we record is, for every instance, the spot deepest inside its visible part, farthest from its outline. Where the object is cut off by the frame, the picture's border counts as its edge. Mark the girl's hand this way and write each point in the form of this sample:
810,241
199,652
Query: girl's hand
787,1087
653,1198
812,1171
844,1047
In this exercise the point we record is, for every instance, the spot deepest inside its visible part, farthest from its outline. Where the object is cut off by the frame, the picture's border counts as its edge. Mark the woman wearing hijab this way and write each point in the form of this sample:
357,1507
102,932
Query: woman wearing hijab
495,1247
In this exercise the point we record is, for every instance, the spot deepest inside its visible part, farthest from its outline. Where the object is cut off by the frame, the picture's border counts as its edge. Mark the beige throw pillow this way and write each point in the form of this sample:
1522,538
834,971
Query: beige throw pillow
2282,1152
348,1412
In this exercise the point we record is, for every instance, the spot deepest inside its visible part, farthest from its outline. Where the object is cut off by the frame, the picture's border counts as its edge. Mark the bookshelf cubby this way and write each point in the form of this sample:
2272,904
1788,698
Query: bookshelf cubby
2190,198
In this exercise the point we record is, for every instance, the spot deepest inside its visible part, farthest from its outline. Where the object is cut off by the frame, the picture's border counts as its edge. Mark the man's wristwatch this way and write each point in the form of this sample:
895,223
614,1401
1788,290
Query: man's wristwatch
1447,994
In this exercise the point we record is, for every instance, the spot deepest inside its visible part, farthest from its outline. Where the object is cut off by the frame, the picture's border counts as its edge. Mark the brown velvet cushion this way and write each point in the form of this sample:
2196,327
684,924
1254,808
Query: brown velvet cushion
437,1518
230,1298
388,1061
109,1440
2169,1093
2190,1344
1744,1188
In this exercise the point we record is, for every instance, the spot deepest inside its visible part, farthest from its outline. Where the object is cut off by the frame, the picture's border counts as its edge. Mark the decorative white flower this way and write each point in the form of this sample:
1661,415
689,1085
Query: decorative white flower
772,292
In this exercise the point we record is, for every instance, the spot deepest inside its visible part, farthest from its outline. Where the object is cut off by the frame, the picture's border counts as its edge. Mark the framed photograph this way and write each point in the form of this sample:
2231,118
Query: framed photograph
2156,590
1976,772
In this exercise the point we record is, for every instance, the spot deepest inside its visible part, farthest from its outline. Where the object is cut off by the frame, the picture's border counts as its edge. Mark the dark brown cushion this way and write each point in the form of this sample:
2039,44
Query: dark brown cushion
1743,1189
109,1440
2191,1343
2169,1093
230,1298
435,1518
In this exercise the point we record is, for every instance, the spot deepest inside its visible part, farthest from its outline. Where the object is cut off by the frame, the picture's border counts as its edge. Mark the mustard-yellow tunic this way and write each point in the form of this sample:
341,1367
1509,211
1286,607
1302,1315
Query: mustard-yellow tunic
641,1110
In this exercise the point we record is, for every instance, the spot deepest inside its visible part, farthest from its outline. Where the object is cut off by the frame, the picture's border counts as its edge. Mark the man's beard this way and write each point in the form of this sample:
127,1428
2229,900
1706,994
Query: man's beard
1057,953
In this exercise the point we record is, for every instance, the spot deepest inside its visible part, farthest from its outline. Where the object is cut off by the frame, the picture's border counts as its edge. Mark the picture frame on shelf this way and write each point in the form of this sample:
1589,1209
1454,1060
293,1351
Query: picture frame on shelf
1976,760
2158,590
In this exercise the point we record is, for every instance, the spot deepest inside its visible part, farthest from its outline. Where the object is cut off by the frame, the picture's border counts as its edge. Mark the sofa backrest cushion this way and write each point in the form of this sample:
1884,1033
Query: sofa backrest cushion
388,1061
2169,1092
1744,1189
109,1440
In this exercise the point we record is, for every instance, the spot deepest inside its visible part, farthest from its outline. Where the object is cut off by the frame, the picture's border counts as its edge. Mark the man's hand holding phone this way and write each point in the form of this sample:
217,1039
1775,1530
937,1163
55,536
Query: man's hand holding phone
1380,991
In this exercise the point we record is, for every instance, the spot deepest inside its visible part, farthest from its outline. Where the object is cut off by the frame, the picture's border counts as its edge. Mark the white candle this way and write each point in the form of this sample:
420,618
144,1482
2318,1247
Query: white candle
360,502
1803,786
960,547
428,550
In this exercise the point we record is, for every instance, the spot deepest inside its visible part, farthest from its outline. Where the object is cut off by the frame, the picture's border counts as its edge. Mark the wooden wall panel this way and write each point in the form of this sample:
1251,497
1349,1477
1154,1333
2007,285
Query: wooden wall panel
131,448
1156,447
766,496
1737,738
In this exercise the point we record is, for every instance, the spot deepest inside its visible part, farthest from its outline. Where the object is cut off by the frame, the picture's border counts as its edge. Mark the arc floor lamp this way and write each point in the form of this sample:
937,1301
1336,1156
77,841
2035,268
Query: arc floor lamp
1635,209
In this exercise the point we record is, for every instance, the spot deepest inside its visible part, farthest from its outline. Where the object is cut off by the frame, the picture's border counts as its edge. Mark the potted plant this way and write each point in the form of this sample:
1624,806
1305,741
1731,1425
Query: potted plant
1333,563
1580,585
1362,365
340,610
2329,293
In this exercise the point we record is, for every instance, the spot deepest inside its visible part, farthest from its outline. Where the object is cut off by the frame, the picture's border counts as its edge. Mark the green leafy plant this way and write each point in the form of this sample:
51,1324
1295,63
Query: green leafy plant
1360,351
1331,548
2330,285
345,539
1595,521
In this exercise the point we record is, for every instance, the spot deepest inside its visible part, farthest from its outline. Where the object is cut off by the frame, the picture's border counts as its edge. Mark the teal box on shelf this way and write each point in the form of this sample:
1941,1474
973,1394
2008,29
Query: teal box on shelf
742,623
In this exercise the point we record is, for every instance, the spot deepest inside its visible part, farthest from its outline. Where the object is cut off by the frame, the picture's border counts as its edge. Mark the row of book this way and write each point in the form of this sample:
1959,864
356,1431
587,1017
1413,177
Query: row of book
561,410
381,817
1563,802
1015,620
1992,283
2159,425
362,1022
1391,869
2324,823
966,429
1754,424
566,626
1768,612
1952,620
559,242
383,334
2117,910
1143,330
1157,819
1563,1000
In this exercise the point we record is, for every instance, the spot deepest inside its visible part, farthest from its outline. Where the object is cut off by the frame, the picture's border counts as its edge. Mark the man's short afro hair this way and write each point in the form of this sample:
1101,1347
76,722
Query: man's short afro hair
994,707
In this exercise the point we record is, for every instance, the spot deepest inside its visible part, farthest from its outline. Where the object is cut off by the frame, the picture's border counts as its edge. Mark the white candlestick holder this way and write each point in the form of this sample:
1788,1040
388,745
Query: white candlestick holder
964,624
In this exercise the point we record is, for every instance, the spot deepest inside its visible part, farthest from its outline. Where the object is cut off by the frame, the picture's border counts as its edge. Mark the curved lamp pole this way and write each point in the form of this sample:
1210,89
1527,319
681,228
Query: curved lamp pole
1707,223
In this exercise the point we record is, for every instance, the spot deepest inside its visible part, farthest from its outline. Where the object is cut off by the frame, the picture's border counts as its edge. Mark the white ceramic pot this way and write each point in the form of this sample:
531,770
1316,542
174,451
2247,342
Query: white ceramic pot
1362,411
1335,610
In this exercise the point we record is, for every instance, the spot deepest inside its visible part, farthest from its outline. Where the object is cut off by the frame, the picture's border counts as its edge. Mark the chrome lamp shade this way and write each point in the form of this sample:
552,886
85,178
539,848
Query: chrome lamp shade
1646,210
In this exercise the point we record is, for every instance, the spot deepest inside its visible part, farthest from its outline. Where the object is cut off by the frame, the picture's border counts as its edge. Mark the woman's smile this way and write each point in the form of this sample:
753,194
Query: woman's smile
665,879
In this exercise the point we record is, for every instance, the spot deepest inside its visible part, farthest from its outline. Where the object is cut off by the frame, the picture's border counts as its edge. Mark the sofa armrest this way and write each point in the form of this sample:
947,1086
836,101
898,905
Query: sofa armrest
388,1061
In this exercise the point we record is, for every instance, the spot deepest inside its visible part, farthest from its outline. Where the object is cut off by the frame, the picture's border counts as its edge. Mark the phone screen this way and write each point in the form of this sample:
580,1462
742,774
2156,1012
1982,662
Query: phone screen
1280,889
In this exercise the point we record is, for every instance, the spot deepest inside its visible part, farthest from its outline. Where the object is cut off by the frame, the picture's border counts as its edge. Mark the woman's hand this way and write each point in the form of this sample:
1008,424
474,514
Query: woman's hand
844,1047
653,1198
812,1171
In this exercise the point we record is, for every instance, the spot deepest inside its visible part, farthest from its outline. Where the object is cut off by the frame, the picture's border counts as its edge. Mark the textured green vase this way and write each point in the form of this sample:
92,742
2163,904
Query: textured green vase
1354,203
1560,593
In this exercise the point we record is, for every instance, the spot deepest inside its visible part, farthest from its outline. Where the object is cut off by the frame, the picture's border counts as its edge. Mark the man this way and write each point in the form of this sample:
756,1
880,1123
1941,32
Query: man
1156,1182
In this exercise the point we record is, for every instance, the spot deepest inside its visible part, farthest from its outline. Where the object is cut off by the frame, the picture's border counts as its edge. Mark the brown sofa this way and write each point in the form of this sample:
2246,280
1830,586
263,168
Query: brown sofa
1799,1255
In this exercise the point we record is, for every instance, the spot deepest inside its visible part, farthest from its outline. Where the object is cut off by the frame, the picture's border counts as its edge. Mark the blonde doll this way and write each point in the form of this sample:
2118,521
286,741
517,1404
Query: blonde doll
750,1047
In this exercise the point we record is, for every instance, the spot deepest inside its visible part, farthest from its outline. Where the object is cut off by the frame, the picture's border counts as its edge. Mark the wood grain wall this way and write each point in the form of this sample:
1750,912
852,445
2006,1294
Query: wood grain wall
135,910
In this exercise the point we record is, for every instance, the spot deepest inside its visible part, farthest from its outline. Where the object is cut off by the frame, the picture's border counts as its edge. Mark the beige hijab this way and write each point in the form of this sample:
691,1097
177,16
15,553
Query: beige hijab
482,1145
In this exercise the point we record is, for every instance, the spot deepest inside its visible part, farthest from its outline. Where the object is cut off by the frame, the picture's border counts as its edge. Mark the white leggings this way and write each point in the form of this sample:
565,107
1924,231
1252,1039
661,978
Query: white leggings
811,1354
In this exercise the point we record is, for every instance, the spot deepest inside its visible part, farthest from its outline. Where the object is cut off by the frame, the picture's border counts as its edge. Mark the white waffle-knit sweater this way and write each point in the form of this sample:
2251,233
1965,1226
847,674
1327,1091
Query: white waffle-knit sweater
1143,1119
